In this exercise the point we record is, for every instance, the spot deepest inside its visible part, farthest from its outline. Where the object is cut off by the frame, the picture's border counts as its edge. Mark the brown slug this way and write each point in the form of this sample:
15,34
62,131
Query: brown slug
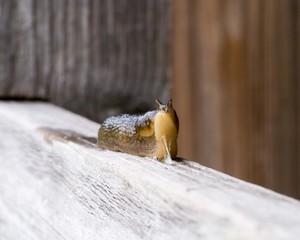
153,134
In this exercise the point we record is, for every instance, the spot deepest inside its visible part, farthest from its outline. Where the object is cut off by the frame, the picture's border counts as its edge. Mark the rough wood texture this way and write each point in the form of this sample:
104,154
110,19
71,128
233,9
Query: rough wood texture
95,57
236,87
56,184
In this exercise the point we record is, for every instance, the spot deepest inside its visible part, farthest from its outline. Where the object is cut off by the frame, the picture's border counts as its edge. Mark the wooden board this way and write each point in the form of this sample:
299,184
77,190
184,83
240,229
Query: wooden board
55,183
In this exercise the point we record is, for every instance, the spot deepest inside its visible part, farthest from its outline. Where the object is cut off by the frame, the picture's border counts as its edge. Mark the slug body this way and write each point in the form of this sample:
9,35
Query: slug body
153,134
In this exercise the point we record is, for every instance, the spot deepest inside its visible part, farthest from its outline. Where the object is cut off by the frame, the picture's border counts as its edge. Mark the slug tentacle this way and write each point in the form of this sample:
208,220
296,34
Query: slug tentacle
153,134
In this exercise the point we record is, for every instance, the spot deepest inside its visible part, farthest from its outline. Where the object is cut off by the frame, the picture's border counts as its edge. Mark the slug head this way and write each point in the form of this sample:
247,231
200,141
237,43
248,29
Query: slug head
166,127
168,109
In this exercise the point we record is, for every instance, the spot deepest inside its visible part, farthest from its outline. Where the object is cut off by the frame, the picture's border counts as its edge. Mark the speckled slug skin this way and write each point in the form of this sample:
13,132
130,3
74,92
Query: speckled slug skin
143,135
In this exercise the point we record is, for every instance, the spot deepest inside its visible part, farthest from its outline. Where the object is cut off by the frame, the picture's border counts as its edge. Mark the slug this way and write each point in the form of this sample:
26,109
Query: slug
153,134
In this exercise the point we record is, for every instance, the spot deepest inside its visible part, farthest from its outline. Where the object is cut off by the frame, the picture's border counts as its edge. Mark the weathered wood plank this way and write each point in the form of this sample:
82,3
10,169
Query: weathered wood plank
56,184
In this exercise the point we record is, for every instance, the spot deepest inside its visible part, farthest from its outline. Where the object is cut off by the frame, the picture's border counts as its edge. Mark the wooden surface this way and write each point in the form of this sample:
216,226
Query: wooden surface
95,57
56,184
236,88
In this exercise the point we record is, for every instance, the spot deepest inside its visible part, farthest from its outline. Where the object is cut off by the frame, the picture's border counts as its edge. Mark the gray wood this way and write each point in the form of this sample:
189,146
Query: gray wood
95,57
56,184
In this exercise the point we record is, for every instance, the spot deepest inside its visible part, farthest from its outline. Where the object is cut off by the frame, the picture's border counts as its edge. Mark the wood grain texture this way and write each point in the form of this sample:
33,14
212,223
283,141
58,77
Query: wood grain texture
238,96
56,184
93,57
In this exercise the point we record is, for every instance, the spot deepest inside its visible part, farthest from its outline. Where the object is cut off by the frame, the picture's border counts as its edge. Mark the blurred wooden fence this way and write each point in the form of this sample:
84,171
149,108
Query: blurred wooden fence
236,87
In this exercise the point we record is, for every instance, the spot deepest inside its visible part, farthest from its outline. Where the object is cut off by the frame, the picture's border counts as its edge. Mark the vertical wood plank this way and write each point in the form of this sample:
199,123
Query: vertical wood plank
207,91
181,63
42,42
6,57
